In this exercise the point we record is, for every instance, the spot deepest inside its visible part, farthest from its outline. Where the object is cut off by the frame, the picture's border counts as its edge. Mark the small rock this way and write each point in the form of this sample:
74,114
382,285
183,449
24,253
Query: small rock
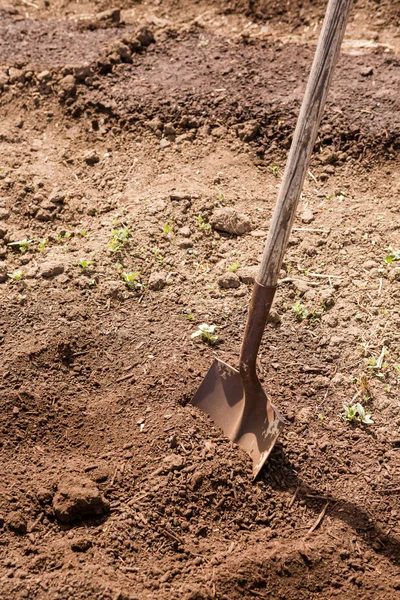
369,264
274,317
15,522
4,214
231,221
330,320
180,196
43,76
15,75
58,197
112,14
45,495
68,86
196,479
42,215
169,131
3,274
81,545
258,233
83,72
78,497
248,275
327,298
185,243
145,36
156,281
301,287
366,72
173,462
91,158
228,281
248,131
51,269
121,50
307,216
329,169
164,143
184,231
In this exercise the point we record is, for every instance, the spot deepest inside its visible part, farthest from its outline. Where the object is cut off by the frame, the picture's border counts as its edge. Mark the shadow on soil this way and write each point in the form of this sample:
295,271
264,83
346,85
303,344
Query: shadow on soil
281,475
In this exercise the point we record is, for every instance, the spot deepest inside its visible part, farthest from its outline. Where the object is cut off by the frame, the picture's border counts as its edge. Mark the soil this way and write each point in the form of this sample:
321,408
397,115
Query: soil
117,152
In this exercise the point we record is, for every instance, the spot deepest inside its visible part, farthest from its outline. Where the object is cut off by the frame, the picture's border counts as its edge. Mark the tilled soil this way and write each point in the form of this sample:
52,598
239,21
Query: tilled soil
122,138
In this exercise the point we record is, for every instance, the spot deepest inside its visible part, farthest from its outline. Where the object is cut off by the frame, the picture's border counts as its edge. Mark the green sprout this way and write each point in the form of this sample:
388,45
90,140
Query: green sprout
16,276
275,170
300,311
119,238
393,255
356,413
84,264
206,332
42,243
377,365
91,282
167,228
202,224
190,317
234,267
131,280
22,245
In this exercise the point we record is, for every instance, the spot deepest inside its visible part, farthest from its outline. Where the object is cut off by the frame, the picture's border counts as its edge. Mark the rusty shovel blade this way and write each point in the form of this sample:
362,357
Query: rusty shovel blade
239,405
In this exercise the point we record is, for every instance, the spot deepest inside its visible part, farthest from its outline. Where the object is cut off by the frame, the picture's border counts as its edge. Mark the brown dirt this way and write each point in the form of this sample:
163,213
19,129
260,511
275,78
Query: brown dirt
95,377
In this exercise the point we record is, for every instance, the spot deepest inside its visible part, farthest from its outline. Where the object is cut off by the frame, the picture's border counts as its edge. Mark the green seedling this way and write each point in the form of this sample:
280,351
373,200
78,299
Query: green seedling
167,228
91,282
131,280
202,224
377,365
393,255
22,245
16,276
190,317
42,243
22,298
206,332
356,413
234,267
300,311
84,264
119,238
275,170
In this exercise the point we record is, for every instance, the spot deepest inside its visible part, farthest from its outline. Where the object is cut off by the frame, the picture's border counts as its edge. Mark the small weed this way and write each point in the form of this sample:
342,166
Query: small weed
203,44
393,255
157,254
131,280
119,238
356,413
206,332
16,276
42,243
300,311
167,228
22,245
275,170
84,264
234,267
91,282
202,223
377,366
321,417
190,317
22,298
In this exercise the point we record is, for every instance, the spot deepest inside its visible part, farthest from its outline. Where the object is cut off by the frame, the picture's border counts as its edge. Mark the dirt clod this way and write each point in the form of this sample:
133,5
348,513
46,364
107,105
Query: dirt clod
228,281
157,281
77,498
231,221
16,522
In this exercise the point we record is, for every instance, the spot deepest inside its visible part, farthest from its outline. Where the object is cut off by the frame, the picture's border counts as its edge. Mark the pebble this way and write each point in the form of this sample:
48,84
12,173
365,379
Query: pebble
301,287
231,221
369,264
274,317
229,281
78,497
248,131
68,86
173,462
51,269
81,545
4,214
184,231
169,131
307,216
157,281
164,143
330,320
366,71
91,158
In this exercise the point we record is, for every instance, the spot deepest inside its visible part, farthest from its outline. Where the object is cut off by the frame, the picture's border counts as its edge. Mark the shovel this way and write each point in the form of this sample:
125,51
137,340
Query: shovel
235,399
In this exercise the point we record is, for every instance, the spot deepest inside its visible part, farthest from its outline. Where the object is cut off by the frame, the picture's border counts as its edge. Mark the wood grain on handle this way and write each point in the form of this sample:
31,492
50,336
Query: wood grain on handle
326,55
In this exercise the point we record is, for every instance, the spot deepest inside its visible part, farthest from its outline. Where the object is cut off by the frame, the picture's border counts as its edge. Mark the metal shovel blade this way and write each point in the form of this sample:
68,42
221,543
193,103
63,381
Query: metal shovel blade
239,405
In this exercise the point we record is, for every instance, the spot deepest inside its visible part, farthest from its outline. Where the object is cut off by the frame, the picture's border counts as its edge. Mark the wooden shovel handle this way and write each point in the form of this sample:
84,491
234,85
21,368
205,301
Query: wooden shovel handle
326,55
